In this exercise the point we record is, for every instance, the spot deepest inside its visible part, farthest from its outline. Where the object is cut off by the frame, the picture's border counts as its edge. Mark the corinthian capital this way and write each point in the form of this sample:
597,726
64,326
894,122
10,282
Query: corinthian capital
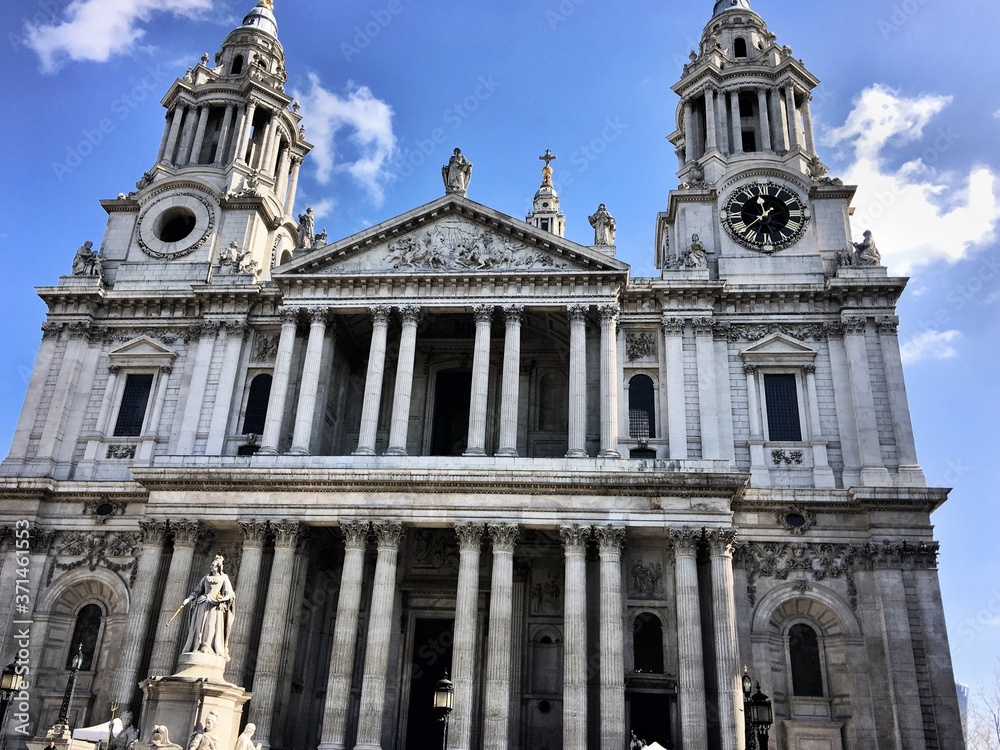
470,535
388,533
355,534
574,538
503,536
610,538
685,540
720,541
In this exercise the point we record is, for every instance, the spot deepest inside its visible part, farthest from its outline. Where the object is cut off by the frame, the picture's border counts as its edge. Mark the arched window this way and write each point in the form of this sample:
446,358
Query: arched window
237,65
260,395
86,632
740,47
647,643
641,408
803,653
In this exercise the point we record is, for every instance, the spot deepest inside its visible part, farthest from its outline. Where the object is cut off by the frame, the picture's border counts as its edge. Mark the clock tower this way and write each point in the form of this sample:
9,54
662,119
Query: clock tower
752,189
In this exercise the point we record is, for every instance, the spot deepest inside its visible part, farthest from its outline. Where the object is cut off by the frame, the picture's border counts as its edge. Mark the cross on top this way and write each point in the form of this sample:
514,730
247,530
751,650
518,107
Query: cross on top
549,157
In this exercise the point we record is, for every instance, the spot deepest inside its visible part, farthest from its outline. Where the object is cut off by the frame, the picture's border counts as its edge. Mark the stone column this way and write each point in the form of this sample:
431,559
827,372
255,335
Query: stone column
765,120
691,662
902,429
689,131
727,659
722,111
163,659
673,351
243,141
156,414
711,447
345,637
807,123
309,388
200,365
373,382
199,138
822,473
221,147
577,381
175,130
51,333
293,185
609,381
463,654
235,335
476,445
711,132
273,631
127,678
263,157
380,624
575,638
187,136
791,112
613,730
873,471
399,430
271,439
779,133
496,729
281,174
247,595
509,403
760,474
737,122
163,140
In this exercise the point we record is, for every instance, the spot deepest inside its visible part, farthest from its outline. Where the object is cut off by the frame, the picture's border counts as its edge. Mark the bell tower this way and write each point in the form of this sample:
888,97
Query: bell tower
545,213
753,198
221,192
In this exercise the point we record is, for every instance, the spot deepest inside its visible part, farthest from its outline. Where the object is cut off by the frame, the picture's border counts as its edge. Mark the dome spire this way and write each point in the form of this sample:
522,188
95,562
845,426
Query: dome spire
724,5
545,214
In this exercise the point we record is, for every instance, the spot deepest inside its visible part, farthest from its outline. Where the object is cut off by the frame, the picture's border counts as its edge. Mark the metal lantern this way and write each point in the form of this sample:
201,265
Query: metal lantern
77,662
761,710
747,685
10,680
444,695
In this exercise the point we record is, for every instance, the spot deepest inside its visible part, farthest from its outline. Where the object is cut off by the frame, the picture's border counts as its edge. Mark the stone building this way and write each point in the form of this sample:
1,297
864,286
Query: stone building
458,440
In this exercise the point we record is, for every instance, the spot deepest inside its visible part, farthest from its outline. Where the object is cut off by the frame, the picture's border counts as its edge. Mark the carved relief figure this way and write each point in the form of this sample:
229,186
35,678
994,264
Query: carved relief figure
458,248
647,579
210,622
457,173
604,226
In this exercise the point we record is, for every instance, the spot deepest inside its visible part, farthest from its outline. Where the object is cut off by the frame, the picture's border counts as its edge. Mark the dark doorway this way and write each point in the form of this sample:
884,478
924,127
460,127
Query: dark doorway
650,714
452,395
432,640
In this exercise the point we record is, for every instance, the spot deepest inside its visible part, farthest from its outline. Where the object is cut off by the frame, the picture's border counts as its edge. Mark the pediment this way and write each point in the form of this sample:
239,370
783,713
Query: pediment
779,349
143,348
452,235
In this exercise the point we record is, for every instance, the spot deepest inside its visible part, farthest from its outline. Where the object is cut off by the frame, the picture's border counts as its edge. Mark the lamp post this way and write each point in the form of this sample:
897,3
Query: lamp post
10,683
444,703
758,714
70,686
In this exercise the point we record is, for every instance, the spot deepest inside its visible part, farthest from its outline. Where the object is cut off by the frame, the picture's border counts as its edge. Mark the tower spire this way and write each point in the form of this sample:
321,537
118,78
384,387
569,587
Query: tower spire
546,214
724,5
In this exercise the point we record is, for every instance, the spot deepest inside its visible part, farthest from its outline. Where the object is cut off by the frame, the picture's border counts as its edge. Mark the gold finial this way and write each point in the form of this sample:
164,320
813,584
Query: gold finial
548,158
269,4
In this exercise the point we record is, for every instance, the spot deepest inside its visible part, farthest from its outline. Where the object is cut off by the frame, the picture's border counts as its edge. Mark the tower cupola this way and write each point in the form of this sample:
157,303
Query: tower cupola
545,213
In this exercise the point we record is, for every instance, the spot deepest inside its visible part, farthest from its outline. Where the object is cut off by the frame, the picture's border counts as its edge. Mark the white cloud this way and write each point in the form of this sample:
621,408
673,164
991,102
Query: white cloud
352,133
97,30
917,213
930,345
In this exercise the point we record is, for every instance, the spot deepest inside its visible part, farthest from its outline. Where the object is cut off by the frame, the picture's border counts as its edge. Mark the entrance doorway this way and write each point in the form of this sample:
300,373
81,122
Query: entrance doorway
452,396
650,718
431,656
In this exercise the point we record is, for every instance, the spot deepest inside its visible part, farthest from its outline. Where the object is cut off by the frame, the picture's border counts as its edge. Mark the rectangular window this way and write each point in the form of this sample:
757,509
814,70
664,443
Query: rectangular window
782,399
135,399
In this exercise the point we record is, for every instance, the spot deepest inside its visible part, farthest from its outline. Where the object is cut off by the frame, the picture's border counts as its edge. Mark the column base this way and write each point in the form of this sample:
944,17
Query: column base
364,452
371,745
507,453
475,452
299,452
265,451
395,452
609,454
577,453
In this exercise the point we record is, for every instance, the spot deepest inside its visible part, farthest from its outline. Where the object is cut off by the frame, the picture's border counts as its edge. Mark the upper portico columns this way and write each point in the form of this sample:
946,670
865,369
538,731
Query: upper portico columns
279,386
399,429
373,381
476,445
577,381
309,389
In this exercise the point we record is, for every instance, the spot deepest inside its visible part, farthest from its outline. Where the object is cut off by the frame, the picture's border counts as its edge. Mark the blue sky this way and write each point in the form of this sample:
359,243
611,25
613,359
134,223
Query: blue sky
908,109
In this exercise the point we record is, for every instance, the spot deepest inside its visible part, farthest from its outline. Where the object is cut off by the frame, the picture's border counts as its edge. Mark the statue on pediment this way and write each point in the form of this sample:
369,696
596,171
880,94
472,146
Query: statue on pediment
604,226
307,228
865,252
83,262
457,173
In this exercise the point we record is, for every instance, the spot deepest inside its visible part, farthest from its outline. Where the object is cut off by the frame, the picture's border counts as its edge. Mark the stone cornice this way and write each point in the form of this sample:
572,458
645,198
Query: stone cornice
47,490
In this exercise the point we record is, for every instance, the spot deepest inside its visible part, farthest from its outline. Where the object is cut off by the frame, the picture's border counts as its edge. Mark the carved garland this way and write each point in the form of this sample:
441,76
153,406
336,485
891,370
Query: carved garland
96,550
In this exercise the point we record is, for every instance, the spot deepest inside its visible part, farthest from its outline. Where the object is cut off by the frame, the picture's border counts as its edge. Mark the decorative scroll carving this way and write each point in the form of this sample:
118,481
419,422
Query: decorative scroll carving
802,331
116,552
787,458
121,452
463,248
796,519
103,509
640,345
779,561
435,550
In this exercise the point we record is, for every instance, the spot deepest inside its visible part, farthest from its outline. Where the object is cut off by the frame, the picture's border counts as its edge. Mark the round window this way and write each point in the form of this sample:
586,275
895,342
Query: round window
795,520
175,224
104,509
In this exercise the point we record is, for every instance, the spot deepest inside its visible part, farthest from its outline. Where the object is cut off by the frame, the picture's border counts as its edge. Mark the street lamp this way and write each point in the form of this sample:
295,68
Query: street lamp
10,683
444,703
758,714
74,667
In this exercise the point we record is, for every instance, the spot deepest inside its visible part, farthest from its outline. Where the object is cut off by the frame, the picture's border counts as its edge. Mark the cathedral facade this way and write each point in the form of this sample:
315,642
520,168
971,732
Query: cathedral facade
458,442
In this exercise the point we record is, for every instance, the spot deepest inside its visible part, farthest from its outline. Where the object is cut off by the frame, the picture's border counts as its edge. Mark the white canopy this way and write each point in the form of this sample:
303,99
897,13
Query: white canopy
98,732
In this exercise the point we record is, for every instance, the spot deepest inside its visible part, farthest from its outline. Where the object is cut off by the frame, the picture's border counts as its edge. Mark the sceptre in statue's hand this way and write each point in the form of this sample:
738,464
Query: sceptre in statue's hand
178,611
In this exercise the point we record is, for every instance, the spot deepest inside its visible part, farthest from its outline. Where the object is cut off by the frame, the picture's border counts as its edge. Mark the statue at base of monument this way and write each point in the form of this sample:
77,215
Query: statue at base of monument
210,621
244,741
204,738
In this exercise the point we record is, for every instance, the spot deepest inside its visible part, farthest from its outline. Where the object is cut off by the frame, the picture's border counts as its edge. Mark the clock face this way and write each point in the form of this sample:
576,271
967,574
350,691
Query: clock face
765,216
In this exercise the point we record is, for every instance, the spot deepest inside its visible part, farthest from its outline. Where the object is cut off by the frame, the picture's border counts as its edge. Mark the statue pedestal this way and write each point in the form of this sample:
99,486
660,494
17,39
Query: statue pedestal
182,701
